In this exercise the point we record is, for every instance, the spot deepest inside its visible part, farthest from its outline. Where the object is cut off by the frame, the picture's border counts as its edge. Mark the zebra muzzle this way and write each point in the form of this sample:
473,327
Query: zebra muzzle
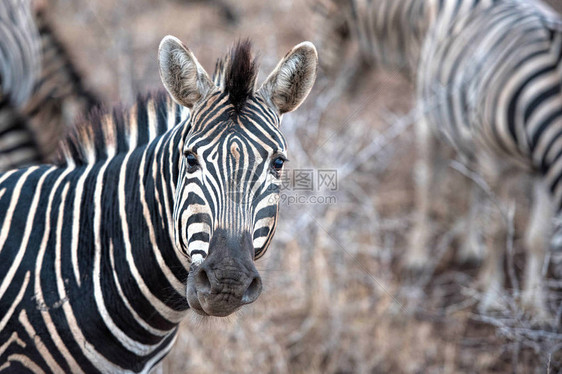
227,279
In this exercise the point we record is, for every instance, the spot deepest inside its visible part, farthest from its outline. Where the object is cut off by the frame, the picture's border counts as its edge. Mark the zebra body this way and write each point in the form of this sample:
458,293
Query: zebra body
494,70
73,261
102,256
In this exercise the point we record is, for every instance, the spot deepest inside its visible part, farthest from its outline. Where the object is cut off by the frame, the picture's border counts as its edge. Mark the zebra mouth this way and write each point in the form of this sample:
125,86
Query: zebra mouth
206,302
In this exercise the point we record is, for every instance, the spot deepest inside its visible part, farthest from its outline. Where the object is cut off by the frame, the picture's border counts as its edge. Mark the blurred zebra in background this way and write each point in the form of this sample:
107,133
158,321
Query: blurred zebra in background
60,94
20,67
41,92
492,85
389,33
152,211
488,80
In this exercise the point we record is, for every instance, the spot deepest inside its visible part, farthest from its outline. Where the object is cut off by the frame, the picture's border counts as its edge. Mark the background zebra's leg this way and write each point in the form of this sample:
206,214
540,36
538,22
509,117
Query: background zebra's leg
491,277
537,243
472,248
424,182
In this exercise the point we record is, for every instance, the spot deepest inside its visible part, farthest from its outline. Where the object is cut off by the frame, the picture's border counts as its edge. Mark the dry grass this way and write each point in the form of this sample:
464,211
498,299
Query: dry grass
335,298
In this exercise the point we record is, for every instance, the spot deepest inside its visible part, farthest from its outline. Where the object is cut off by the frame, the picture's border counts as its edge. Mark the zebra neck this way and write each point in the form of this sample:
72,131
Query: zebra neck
142,231
136,273
131,281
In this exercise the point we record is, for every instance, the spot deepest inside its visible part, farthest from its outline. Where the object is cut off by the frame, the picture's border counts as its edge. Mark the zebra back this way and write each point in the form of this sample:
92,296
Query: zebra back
389,33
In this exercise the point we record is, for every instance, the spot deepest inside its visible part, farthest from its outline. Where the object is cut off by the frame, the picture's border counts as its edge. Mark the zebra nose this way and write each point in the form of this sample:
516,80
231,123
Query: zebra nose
202,282
253,291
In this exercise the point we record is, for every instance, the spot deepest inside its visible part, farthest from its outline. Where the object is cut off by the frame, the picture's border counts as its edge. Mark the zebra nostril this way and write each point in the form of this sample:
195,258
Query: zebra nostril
202,282
253,291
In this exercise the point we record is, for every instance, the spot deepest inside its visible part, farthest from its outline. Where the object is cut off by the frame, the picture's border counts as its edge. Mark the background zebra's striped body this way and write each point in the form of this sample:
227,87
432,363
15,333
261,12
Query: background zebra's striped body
20,64
19,51
102,255
34,119
60,94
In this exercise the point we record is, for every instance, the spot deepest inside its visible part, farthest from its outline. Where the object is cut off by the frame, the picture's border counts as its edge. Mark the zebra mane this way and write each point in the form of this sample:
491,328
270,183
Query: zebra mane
236,73
104,133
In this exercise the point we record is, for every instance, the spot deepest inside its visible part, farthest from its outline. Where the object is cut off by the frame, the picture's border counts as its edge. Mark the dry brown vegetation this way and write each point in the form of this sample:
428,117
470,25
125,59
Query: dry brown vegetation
335,298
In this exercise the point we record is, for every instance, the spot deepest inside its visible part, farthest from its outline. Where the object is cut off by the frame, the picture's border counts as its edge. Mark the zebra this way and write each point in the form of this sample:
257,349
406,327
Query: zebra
60,93
458,68
36,120
389,34
149,213
496,77
20,64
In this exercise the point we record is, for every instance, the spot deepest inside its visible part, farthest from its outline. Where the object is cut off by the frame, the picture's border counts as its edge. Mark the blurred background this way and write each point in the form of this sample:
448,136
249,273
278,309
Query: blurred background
336,299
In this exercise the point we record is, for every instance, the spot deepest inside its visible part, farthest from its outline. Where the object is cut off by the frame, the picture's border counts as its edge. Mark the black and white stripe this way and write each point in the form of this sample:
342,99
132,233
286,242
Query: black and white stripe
42,91
389,33
491,85
488,80
19,51
20,64
60,94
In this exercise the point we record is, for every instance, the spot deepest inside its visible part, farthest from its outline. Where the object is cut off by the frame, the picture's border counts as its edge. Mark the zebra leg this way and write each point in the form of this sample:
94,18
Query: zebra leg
537,242
472,248
491,275
424,181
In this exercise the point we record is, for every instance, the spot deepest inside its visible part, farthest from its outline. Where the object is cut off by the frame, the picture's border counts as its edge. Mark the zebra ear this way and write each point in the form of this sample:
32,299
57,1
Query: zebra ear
182,75
291,81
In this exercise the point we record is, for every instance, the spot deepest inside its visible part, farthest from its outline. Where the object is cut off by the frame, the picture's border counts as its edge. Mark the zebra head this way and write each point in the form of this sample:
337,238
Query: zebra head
226,198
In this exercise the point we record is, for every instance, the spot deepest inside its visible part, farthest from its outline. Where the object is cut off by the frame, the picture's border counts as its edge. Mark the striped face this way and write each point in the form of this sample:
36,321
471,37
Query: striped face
227,195
230,173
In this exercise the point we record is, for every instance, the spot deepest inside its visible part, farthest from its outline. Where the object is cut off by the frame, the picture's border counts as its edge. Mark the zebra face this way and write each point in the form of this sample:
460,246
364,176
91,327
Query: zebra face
226,201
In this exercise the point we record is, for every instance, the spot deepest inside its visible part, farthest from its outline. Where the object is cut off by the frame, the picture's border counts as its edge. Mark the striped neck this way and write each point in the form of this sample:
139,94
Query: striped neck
137,294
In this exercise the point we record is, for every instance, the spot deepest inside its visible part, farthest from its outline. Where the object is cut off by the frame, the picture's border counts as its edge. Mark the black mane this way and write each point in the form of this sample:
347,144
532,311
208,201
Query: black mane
106,131
240,74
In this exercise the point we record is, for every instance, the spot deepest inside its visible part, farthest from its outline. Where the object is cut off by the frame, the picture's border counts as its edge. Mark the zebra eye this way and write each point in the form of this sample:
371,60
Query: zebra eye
277,164
191,161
